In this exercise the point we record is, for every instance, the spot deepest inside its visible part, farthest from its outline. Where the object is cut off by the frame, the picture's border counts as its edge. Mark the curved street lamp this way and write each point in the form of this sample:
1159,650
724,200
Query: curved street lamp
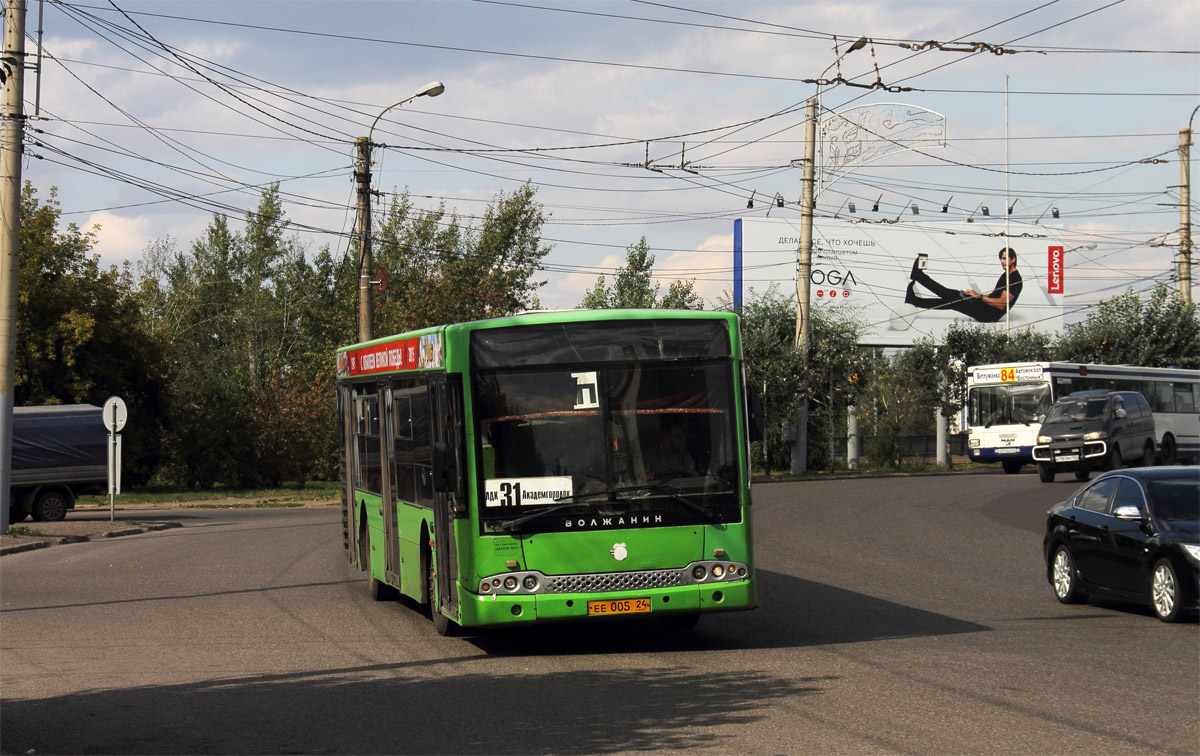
432,89
362,174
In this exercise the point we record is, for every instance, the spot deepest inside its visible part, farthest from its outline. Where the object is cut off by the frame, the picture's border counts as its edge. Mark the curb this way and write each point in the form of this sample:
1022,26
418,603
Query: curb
45,541
819,476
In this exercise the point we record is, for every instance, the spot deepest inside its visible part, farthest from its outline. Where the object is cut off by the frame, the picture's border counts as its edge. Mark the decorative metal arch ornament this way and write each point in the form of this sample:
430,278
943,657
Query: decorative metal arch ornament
857,136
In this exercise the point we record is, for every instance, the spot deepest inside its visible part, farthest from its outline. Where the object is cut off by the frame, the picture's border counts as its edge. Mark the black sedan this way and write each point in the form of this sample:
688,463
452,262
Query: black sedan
1129,534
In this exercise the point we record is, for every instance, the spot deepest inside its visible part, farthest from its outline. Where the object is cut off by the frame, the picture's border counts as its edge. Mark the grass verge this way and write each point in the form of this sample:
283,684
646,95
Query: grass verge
285,496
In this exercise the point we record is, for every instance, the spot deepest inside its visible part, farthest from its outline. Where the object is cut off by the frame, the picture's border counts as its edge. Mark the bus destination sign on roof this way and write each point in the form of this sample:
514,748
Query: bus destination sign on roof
1009,374
415,353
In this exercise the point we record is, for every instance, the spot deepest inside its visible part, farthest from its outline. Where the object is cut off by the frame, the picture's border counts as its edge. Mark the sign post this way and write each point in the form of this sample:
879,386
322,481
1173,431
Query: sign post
114,419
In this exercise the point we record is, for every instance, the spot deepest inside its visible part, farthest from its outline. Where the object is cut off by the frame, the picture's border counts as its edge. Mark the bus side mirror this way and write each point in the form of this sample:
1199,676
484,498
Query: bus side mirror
756,417
445,472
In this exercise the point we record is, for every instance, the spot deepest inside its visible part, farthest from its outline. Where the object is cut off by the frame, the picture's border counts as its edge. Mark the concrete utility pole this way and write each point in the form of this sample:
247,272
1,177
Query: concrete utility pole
366,297
12,139
1185,214
362,175
803,280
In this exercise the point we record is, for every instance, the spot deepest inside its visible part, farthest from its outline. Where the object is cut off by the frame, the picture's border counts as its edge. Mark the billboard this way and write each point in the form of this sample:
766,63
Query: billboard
908,280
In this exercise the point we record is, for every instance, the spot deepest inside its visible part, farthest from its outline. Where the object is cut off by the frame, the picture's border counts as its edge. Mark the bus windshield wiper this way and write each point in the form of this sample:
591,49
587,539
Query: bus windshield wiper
560,504
671,492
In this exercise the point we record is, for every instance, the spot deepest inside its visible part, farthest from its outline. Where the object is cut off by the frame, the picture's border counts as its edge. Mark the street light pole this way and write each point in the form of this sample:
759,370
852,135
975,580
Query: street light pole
362,176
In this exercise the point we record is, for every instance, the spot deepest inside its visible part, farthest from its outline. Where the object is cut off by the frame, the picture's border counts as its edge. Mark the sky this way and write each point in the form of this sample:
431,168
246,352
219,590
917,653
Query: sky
631,119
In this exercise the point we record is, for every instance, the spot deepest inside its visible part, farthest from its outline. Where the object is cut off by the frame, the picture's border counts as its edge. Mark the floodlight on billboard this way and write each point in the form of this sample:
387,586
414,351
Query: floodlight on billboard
910,280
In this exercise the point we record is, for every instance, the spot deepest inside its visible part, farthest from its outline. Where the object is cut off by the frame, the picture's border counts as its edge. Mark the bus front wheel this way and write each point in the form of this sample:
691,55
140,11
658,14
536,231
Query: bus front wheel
379,590
1012,466
441,623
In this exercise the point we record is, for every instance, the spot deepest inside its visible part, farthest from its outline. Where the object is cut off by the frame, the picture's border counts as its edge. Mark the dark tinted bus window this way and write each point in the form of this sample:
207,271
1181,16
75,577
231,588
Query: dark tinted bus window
368,470
1164,397
1183,400
422,446
613,341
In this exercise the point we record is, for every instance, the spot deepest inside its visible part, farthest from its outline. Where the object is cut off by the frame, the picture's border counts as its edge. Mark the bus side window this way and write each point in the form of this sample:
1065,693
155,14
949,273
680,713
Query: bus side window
1164,397
422,446
402,431
367,471
1184,400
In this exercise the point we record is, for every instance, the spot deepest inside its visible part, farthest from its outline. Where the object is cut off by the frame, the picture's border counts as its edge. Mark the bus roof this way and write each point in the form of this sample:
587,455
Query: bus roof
424,349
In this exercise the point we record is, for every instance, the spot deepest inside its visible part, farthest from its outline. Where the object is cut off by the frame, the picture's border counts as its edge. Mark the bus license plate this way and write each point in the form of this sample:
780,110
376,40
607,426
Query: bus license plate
618,606
1067,458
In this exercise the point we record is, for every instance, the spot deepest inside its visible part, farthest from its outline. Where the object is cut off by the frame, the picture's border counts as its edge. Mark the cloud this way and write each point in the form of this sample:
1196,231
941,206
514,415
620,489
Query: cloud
120,238
124,239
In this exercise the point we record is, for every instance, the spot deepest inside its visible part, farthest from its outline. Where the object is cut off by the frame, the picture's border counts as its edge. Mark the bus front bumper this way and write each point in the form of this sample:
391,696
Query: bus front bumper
999,454
496,609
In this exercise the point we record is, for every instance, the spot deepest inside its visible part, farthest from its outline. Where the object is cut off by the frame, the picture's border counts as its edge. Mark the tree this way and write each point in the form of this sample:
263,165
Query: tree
1162,331
80,337
898,399
833,370
983,344
252,329
774,367
634,288
441,272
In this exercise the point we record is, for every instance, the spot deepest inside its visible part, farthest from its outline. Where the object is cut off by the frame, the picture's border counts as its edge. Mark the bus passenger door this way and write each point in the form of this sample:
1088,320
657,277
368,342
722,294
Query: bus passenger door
445,394
345,410
391,530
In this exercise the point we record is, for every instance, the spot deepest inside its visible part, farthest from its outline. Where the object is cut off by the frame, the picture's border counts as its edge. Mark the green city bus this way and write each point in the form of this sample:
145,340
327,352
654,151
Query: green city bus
551,466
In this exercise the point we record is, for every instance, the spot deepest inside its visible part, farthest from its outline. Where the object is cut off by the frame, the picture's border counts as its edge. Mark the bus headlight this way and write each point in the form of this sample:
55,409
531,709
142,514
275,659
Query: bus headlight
1094,435
1045,439
716,572
517,583
974,442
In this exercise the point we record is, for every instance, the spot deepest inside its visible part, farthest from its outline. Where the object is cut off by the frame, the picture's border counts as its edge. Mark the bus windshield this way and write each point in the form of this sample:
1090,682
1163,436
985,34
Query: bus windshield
1008,404
650,441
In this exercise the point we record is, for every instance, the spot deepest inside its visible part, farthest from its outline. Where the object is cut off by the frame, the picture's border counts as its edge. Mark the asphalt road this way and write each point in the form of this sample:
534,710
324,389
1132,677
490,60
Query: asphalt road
900,615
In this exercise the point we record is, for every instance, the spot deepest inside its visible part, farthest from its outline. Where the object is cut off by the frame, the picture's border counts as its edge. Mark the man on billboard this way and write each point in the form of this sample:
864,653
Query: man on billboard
986,308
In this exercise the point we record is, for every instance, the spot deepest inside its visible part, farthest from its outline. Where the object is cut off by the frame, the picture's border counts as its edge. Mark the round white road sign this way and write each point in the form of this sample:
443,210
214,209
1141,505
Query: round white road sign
114,414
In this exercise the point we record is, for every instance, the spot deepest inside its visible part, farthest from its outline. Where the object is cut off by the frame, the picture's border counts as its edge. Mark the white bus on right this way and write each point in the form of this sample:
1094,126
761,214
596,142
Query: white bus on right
1007,403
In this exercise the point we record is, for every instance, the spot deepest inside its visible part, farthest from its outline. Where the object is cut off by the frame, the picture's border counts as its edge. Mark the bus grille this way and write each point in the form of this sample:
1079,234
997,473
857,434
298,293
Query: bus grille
614,581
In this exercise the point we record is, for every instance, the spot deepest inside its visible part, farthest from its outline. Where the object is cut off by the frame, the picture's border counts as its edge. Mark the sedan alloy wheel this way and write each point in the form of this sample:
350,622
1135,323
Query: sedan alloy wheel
1164,591
1066,587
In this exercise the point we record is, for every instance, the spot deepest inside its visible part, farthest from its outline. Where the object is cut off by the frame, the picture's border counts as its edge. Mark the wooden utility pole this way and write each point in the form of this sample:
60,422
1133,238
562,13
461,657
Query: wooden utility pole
366,297
1185,215
12,140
